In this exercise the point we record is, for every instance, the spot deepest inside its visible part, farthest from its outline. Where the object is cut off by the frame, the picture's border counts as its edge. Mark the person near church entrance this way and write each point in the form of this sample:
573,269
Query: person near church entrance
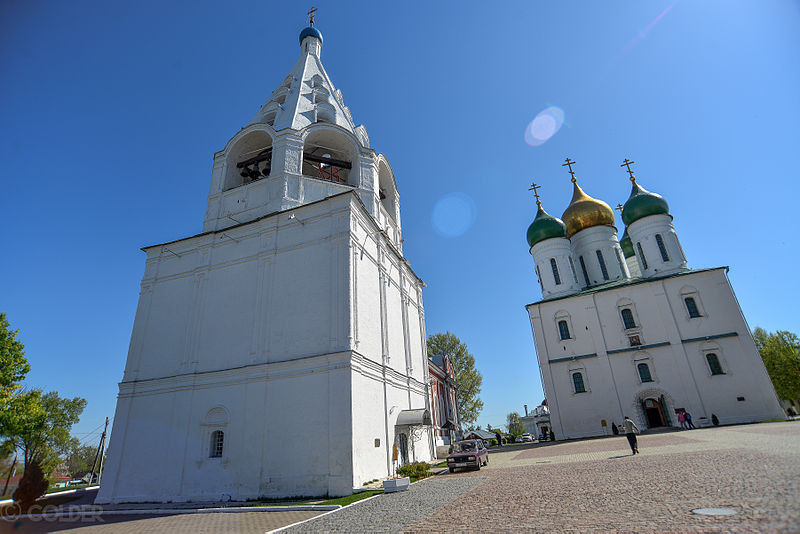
682,419
688,418
629,427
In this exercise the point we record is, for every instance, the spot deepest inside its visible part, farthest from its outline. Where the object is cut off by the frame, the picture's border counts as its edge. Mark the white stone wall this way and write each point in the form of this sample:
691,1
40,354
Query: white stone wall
586,243
643,233
673,346
284,324
558,249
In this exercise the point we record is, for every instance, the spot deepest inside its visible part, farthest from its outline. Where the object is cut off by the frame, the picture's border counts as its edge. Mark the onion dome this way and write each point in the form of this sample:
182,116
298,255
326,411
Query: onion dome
545,226
627,245
584,212
311,31
642,203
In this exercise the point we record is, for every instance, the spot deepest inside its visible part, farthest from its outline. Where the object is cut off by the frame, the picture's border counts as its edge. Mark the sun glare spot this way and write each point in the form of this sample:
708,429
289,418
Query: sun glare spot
544,126
453,214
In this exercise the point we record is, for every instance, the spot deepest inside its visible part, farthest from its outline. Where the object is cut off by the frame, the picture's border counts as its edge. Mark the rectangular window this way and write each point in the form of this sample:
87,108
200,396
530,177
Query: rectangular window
577,381
556,275
563,329
662,248
641,255
583,268
691,307
217,439
713,364
644,372
627,318
602,264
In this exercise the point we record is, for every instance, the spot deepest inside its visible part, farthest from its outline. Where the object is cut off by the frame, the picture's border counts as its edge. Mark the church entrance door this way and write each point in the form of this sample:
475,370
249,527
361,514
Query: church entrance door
403,444
654,413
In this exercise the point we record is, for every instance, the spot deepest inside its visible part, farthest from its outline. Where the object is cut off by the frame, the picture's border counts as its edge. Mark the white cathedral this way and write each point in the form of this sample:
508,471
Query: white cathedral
626,328
282,351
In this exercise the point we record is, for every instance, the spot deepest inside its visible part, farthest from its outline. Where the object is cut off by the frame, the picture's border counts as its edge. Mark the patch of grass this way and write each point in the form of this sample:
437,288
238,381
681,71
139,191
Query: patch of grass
350,499
443,463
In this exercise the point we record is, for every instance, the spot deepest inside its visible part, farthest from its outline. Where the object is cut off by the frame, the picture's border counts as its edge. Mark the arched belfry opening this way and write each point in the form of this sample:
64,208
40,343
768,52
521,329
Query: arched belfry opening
386,189
249,160
329,155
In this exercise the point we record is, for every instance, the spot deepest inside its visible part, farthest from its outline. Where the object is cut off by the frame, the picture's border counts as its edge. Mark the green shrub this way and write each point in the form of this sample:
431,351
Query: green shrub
416,470
715,419
493,443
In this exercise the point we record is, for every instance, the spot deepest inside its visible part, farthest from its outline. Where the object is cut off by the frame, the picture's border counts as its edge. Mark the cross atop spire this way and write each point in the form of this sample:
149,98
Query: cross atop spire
619,207
569,163
311,16
627,163
533,188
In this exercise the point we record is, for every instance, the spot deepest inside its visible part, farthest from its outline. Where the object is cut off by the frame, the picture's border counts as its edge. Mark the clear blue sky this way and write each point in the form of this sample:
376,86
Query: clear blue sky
110,113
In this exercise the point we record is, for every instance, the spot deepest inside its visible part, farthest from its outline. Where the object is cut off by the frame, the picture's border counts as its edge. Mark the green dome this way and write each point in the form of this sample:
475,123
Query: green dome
642,203
545,226
627,245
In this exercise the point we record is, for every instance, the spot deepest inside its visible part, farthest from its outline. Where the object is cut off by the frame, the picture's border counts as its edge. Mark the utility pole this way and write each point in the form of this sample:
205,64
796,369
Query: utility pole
102,453
98,455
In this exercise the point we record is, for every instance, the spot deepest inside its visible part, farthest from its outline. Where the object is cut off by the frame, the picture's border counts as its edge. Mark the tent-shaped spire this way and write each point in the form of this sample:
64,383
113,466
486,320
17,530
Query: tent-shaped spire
307,95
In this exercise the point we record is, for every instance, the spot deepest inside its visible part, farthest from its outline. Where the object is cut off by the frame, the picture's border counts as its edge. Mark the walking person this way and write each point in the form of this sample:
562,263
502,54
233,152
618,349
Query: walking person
629,427
688,417
682,419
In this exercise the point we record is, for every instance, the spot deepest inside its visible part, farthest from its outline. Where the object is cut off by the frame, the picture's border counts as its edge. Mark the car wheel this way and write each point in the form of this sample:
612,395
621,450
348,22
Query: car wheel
452,469
478,467
487,460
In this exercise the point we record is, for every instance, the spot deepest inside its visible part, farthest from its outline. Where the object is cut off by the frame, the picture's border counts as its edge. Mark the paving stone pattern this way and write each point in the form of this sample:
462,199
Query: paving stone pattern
754,469
393,512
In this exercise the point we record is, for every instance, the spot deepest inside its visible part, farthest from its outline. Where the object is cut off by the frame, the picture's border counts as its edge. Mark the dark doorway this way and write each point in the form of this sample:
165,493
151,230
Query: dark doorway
654,413
402,443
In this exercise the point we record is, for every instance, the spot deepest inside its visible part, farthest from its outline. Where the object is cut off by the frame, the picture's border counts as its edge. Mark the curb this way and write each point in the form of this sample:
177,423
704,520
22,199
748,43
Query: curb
65,492
177,511
281,529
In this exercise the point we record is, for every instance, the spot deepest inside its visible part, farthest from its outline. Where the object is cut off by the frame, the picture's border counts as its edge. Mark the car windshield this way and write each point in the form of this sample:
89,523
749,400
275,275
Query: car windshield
467,446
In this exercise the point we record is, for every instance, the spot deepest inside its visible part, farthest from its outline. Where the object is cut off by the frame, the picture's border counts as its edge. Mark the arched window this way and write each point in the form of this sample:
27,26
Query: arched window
539,278
556,275
641,255
662,248
691,307
644,372
563,329
217,440
572,266
602,264
627,318
583,268
577,381
713,364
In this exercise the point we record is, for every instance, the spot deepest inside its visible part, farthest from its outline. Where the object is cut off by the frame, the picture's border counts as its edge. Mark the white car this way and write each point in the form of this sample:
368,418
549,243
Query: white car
526,437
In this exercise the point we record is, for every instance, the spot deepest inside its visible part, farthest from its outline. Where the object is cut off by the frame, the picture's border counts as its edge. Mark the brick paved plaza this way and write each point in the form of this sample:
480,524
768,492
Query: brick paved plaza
578,486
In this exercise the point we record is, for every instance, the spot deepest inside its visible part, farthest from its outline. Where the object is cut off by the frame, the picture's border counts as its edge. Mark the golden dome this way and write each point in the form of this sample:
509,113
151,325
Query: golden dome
585,212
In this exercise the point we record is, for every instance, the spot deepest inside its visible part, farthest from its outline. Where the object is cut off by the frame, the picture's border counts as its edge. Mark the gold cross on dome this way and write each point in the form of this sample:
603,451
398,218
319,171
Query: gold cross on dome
619,207
627,163
311,15
569,163
533,188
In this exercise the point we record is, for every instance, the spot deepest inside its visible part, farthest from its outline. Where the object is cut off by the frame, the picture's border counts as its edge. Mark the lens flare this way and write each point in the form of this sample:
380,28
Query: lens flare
544,126
453,214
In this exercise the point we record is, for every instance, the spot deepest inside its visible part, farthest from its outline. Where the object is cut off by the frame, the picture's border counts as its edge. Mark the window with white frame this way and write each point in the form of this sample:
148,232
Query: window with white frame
217,443
572,266
641,255
691,307
691,302
627,318
602,263
563,324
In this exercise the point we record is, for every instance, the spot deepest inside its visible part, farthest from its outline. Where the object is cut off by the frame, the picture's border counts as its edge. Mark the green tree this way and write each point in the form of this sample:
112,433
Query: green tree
79,459
468,378
13,365
38,426
781,354
514,424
